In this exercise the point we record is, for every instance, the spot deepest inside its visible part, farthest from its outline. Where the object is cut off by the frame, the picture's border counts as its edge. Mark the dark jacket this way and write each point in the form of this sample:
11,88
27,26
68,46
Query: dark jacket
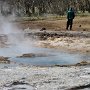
70,14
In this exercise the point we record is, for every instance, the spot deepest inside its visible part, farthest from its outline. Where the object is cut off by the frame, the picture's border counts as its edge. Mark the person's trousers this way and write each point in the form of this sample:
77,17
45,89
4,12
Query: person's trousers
69,23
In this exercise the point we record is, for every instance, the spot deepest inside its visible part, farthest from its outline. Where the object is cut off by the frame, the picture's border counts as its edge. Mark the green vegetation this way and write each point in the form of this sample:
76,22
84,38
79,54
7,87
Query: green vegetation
35,18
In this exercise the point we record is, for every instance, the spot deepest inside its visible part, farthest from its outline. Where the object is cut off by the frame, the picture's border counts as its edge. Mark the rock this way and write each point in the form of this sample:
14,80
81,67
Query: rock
42,29
82,63
27,29
30,55
18,82
80,87
18,85
84,29
79,25
4,59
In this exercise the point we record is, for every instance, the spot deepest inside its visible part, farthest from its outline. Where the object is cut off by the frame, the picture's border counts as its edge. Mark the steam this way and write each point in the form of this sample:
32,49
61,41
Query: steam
7,27
16,40
11,36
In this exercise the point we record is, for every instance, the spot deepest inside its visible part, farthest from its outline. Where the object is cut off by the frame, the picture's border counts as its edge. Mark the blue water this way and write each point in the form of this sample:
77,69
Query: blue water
55,57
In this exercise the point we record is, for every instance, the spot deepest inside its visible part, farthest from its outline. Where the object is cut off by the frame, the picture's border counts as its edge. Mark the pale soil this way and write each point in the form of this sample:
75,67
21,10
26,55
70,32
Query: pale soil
68,43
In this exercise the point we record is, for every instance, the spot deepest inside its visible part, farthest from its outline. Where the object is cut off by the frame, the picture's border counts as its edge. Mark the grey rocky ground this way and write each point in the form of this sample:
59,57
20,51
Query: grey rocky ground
44,78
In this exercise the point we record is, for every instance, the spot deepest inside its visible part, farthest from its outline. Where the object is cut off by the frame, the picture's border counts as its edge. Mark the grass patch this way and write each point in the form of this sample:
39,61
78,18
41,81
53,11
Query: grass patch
81,14
48,17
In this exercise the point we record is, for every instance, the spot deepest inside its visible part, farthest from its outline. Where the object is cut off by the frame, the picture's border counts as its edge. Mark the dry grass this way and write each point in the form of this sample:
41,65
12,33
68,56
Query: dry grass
58,24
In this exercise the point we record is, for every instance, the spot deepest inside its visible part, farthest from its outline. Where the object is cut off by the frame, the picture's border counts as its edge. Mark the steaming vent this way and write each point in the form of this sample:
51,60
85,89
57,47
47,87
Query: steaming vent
3,40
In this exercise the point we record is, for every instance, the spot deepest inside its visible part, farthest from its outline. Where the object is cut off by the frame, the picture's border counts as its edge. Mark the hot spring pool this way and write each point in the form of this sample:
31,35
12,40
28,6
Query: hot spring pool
55,57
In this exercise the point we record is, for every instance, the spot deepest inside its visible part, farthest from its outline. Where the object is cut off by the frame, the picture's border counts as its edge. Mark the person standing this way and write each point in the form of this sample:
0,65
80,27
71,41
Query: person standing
70,17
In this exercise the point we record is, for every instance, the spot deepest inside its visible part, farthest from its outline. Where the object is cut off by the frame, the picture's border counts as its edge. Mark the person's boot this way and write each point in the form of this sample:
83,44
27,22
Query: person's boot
70,27
67,25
